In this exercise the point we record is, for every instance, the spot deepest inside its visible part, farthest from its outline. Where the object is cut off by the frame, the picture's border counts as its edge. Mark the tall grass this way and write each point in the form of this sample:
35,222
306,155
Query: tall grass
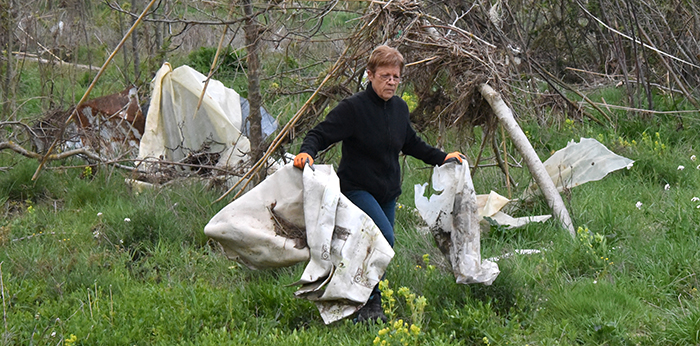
86,261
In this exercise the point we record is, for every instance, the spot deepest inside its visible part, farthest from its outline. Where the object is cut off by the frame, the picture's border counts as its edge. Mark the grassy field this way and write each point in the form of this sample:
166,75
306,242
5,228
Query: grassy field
86,261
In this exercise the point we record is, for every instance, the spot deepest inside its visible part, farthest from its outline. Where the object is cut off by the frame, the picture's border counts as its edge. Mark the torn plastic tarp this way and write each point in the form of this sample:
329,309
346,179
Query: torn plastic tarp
490,210
579,163
173,129
453,219
573,165
267,122
270,226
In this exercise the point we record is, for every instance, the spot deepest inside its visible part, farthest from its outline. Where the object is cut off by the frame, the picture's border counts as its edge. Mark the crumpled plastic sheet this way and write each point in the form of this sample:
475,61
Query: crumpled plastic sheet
453,219
573,165
346,251
490,206
579,163
175,127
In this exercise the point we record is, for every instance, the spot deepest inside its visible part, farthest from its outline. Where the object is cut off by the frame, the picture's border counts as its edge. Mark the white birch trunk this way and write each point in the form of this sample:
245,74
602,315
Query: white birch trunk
549,190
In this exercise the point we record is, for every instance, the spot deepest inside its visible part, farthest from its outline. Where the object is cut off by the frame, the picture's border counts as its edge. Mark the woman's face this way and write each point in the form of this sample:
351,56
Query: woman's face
385,80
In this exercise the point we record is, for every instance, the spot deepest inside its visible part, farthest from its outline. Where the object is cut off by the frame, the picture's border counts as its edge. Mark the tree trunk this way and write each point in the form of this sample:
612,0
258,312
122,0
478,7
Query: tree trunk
7,28
252,33
539,173
134,45
158,33
125,55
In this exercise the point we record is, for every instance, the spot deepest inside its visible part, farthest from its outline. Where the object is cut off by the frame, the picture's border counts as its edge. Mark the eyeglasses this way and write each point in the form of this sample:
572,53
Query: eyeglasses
388,77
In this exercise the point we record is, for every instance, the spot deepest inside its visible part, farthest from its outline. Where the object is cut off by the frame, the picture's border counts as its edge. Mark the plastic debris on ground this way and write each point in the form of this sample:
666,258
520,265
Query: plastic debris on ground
571,166
579,163
453,219
450,214
293,217
118,126
490,210
175,128
111,125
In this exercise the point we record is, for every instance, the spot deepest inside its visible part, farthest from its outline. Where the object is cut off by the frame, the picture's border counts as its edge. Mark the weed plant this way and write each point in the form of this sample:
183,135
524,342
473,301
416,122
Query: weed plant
86,261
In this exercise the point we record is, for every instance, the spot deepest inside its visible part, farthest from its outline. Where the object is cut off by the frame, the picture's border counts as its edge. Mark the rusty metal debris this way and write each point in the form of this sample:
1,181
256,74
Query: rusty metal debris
110,125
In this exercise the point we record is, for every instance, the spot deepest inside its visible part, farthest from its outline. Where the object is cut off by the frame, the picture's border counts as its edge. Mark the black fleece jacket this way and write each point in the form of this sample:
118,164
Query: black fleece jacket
373,133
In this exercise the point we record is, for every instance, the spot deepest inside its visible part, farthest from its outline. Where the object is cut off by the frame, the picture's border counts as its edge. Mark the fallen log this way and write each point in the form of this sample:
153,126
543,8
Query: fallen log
537,169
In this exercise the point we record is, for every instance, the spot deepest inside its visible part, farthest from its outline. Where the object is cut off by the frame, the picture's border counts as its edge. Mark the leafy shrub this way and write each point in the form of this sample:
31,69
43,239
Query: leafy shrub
230,61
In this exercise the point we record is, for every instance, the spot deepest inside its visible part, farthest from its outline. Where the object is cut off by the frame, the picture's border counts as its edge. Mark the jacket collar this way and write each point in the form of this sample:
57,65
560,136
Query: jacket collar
374,97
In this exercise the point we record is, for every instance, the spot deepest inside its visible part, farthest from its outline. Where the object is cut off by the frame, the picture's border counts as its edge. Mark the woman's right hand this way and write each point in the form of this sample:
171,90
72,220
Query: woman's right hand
302,159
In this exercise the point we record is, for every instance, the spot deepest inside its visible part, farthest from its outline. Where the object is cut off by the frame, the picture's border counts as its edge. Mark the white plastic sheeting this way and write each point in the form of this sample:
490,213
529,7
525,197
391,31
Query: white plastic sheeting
573,165
258,228
173,127
490,206
453,219
270,225
349,254
579,163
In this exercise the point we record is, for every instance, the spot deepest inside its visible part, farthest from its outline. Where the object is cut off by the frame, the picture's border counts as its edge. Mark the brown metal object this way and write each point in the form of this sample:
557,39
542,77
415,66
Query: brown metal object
110,125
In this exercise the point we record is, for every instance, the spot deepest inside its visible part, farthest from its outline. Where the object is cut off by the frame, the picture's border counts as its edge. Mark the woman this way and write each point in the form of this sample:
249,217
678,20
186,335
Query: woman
374,127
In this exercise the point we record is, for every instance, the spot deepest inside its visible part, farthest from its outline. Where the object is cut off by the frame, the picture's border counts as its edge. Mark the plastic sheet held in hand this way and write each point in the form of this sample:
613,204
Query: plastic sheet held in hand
293,217
453,219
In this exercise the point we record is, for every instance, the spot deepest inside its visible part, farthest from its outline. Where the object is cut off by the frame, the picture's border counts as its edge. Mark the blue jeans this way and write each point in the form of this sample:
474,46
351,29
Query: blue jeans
382,214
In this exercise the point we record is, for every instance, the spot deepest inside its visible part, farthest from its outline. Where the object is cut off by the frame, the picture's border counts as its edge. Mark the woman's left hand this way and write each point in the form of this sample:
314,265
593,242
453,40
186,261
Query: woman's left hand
455,156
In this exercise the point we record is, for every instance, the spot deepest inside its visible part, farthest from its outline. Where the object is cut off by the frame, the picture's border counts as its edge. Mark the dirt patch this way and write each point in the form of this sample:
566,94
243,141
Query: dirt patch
285,228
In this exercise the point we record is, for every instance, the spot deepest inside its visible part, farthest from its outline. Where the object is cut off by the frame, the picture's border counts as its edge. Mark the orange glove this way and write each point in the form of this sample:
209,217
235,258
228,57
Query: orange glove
302,159
455,156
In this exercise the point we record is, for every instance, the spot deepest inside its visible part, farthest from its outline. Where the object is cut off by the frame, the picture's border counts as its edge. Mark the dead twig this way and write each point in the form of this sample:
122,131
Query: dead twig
631,109
28,153
551,79
33,57
509,181
673,73
462,32
4,309
60,156
19,123
484,139
634,39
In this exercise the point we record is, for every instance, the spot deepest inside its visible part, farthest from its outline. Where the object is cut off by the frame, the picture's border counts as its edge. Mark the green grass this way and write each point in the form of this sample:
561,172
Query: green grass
86,261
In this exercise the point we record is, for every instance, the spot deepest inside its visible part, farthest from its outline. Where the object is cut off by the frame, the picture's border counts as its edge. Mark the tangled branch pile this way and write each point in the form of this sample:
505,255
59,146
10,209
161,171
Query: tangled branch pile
453,46
445,63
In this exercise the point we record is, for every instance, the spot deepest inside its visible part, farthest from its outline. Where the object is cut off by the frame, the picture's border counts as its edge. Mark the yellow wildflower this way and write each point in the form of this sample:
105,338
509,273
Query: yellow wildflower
71,340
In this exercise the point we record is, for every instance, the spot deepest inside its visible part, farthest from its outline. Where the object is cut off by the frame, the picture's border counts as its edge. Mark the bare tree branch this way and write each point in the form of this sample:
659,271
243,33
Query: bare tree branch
636,40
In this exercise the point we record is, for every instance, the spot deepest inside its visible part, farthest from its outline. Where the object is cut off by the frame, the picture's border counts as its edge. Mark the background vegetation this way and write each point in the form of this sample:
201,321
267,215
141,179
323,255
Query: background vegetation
87,261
